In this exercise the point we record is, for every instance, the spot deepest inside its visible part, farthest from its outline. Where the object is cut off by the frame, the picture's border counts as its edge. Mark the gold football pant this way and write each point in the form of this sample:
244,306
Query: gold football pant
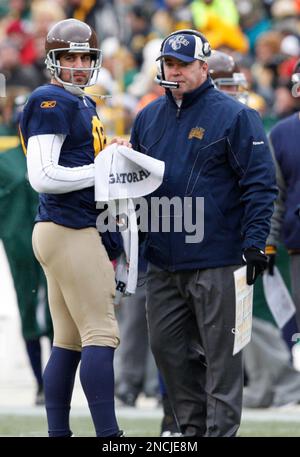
81,285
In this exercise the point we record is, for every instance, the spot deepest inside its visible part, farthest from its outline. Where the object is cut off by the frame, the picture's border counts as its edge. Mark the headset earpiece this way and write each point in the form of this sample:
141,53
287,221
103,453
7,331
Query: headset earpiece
159,69
206,49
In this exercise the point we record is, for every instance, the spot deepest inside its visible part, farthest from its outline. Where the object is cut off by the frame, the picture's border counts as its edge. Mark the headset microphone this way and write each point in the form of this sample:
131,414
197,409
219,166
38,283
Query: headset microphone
165,83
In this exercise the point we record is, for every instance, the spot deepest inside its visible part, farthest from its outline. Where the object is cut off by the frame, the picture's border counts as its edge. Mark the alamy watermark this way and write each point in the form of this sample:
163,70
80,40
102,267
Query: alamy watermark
157,214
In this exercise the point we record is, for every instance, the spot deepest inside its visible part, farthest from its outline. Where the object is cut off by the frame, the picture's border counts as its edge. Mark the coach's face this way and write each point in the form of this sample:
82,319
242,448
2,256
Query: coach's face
188,75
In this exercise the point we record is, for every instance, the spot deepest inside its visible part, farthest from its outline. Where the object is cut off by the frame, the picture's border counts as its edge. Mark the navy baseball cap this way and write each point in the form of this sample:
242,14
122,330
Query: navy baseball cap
185,47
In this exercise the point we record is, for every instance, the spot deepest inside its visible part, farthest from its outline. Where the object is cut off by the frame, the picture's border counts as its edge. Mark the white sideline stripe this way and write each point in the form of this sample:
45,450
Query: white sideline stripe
283,414
126,413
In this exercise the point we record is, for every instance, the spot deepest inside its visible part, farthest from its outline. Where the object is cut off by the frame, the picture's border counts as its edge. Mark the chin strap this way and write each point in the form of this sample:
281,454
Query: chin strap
77,90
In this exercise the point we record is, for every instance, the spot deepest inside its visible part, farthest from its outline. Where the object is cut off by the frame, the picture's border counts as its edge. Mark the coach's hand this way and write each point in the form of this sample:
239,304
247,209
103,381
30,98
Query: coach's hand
256,262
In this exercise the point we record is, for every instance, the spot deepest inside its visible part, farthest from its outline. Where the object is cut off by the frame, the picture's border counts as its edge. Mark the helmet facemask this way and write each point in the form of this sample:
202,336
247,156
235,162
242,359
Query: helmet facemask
227,77
235,86
53,64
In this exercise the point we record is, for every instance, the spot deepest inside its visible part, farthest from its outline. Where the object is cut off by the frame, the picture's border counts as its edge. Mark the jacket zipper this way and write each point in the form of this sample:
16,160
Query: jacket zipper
171,256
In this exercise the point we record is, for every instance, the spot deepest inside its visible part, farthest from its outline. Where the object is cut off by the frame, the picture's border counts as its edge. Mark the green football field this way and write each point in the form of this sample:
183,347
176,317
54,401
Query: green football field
35,426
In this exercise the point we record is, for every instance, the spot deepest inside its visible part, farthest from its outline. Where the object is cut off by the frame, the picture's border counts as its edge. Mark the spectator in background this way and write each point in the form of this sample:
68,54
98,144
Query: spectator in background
204,10
16,32
44,15
290,50
268,47
218,20
14,72
153,92
3,8
163,22
284,103
139,18
268,57
120,62
143,86
179,11
20,9
99,14
254,20
284,8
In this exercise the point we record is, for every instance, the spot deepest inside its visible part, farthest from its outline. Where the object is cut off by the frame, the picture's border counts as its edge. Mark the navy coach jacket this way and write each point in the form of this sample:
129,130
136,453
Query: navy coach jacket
213,147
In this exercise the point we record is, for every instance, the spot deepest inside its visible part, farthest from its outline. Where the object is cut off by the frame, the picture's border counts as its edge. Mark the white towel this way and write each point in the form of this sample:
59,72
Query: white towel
121,174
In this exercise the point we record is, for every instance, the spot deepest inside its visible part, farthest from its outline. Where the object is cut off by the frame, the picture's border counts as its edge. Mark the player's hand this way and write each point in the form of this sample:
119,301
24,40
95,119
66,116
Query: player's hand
256,262
271,253
121,141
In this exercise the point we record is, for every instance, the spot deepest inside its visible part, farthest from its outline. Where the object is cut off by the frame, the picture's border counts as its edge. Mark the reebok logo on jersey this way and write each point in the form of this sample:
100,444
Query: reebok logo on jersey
255,143
196,132
48,104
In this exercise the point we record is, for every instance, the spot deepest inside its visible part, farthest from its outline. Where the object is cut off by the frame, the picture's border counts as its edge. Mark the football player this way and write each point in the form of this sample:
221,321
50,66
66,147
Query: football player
61,135
226,75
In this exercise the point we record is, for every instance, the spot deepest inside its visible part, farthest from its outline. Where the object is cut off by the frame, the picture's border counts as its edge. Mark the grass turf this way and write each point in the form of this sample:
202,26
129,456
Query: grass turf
35,426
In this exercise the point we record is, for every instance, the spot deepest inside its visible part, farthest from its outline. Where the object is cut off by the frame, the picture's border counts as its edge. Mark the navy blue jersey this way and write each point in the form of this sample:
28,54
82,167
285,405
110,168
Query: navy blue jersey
52,110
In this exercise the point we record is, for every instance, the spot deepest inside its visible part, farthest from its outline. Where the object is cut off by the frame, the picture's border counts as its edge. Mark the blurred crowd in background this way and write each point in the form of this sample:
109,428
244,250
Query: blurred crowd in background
262,35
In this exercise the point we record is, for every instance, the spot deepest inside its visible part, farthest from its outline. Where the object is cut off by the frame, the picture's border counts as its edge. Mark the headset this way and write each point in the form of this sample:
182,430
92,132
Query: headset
206,51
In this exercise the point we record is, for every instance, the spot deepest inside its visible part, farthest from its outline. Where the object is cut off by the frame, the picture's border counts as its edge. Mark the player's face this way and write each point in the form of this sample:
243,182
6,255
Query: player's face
188,75
75,60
